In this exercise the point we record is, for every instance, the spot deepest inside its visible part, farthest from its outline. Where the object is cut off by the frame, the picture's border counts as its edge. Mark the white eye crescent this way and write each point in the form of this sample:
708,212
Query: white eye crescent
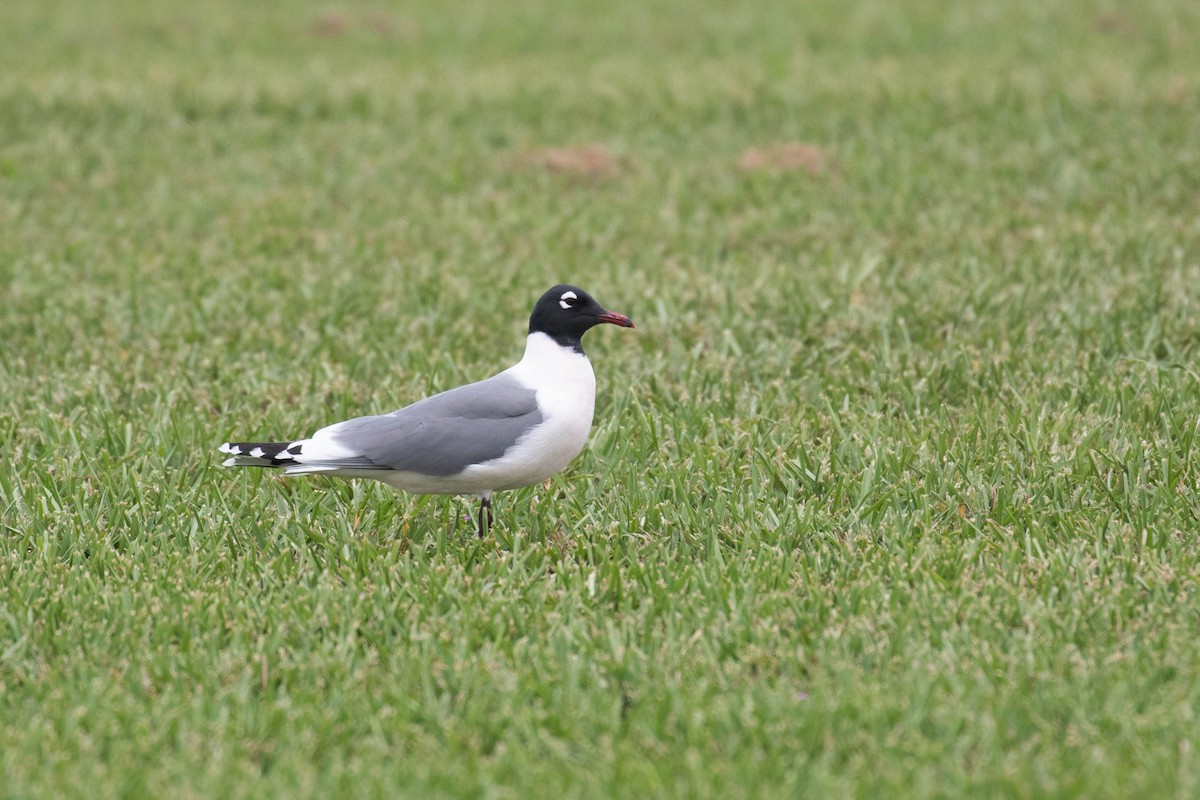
567,300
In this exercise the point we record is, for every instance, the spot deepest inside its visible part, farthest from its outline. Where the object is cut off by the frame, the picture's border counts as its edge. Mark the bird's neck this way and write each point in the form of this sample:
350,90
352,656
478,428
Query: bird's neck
541,347
546,360
570,341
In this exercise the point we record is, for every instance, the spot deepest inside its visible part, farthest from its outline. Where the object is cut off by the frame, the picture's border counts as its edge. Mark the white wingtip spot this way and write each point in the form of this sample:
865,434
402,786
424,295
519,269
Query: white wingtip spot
257,452
229,462
227,448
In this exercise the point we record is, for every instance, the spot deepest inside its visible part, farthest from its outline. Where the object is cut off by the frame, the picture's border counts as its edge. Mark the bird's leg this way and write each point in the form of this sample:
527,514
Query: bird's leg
485,506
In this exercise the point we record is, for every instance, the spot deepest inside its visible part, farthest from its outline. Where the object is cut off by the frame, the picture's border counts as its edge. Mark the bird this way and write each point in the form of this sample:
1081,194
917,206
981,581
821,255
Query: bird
513,429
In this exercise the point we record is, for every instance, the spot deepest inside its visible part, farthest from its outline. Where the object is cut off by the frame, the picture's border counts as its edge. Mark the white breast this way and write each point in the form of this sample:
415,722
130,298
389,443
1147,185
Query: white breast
566,396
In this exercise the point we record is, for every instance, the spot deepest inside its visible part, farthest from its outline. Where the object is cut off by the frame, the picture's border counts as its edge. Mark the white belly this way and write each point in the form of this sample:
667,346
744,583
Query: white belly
566,396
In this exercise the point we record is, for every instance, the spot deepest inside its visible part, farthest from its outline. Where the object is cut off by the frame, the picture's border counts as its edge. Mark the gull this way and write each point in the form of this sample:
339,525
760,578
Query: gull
513,429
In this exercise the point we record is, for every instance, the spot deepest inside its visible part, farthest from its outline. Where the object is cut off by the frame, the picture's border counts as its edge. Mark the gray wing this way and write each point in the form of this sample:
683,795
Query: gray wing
444,434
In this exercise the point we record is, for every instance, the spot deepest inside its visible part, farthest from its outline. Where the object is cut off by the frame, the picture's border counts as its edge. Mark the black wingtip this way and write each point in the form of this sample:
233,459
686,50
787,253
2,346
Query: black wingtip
260,454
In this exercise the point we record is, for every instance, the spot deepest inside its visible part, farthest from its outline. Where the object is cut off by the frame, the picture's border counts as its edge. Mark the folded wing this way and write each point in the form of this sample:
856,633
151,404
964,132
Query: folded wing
438,436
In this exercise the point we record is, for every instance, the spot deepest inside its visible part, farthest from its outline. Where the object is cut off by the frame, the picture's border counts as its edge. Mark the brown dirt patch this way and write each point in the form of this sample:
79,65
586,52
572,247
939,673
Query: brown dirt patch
1117,22
1176,90
390,27
592,161
786,157
386,26
330,26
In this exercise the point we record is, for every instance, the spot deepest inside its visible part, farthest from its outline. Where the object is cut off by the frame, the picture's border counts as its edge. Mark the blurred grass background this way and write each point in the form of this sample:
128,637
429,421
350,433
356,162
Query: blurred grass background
893,491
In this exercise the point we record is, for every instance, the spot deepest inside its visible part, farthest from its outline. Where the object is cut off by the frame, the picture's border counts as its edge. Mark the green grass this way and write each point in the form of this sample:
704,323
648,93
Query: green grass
895,491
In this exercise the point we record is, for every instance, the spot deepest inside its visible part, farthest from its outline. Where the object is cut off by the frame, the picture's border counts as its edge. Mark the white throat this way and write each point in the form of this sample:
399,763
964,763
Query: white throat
546,362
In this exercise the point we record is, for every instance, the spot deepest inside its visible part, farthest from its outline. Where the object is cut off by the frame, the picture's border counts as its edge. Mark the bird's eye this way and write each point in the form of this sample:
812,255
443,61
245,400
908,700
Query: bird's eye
568,300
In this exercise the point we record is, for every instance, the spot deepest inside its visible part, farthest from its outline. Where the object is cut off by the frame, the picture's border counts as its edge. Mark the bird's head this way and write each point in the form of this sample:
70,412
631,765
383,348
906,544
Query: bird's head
565,313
